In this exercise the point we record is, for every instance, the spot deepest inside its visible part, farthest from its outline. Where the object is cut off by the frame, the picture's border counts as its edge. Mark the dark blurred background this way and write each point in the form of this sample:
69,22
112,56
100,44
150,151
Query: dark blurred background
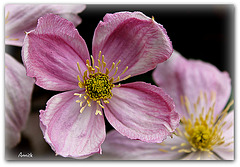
203,32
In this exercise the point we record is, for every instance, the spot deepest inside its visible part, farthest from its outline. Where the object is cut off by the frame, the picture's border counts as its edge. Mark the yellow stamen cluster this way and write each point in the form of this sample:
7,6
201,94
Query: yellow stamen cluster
203,130
97,83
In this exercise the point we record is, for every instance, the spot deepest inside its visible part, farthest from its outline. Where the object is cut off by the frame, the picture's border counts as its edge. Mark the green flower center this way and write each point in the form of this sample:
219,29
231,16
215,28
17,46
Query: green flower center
98,81
98,86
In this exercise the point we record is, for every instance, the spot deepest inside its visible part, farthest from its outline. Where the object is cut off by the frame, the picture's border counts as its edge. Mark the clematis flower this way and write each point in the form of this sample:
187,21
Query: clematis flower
23,18
124,44
200,92
18,92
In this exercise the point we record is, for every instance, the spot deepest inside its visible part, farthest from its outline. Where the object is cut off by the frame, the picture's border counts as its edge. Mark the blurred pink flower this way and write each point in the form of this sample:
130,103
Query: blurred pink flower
125,44
18,93
20,18
206,131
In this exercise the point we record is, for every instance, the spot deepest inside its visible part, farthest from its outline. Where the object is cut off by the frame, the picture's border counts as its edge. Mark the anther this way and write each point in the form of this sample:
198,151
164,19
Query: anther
81,110
99,103
98,112
118,62
126,77
115,72
113,65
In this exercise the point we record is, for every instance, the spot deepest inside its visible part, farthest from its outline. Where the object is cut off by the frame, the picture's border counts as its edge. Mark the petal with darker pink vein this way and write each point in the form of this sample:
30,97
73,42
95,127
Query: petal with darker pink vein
142,111
69,132
135,39
51,52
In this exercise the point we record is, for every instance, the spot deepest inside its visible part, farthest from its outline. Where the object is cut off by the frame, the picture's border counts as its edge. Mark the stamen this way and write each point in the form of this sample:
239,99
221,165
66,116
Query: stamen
81,110
99,64
92,61
99,55
107,71
79,78
115,72
85,75
89,102
124,71
98,111
205,97
78,101
195,108
183,144
97,84
118,63
198,100
103,63
80,84
126,77
187,104
117,86
228,106
179,132
99,103
13,39
111,80
174,147
98,69
89,69
113,65
184,150
6,21
152,18
182,101
105,101
118,79
162,150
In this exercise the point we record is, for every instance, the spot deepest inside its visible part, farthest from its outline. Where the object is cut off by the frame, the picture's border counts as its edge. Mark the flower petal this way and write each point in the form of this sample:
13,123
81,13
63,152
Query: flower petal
51,52
118,147
142,111
200,155
23,18
226,150
135,39
181,77
18,93
69,132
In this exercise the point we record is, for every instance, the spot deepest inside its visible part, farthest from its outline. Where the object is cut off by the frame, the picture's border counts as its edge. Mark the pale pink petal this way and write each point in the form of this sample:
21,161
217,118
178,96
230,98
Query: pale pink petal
51,52
135,39
118,147
20,18
18,93
226,150
142,111
69,132
200,155
181,77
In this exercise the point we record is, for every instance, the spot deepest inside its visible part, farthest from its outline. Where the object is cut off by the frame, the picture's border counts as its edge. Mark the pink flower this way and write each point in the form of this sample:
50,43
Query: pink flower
23,18
125,44
18,93
200,92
